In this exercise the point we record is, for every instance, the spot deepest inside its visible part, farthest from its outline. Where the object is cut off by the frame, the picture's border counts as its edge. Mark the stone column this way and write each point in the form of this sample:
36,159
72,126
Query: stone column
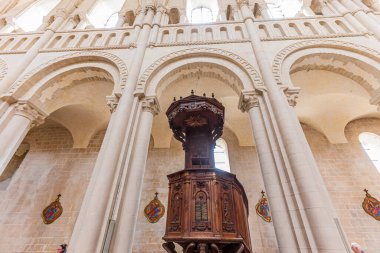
25,117
271,171
157,23
91,226
265,12
375,5
128,213
317,219
348,16
362,17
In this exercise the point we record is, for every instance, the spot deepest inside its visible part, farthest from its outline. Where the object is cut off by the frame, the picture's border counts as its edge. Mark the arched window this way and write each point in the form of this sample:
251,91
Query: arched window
221,155
105,13
371,144
202,11
201,15
32,17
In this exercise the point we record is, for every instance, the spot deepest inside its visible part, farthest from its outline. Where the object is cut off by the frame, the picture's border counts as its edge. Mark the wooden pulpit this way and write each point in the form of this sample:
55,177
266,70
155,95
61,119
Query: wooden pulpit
207,207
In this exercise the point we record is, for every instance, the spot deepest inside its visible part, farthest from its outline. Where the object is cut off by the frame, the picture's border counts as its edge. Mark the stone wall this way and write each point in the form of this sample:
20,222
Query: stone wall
347,170
161,162
51,167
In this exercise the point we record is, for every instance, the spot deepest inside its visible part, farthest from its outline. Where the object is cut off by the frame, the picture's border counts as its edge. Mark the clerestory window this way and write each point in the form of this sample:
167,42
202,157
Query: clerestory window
221,155
202,11
105,13
201,15
32,18
371,144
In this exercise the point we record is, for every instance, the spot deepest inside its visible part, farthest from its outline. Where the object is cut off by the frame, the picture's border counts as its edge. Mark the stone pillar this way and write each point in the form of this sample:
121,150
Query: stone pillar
92,223
128,213
183,19
265,12
362,17
157,23
316,215
348,16
375,5
307,11
25,117
271,171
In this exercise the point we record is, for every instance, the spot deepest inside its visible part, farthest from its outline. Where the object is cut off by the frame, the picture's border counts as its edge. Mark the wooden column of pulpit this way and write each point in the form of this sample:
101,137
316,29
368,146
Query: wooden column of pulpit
207,207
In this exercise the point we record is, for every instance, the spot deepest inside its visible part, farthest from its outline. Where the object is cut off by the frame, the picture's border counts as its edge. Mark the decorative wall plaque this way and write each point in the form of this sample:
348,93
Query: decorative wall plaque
154,210
262,208
52,211
371,205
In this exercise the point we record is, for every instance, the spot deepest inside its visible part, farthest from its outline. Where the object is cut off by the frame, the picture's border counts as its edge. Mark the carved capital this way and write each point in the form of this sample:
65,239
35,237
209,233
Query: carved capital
292,95
161,8
27,110
150,104
242,2
248,99
112,102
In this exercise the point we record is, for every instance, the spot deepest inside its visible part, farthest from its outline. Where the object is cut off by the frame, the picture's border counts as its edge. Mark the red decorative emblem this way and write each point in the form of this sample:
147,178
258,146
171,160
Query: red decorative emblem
154,210
262,208
371,205
52,211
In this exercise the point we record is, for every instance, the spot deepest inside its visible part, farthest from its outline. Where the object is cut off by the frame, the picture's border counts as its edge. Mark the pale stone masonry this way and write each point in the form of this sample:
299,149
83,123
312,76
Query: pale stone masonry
82,113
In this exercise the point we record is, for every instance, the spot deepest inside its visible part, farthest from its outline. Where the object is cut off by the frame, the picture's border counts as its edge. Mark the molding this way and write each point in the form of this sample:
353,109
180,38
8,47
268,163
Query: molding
200,42
284,53
343,35
214,52
110,57
3,69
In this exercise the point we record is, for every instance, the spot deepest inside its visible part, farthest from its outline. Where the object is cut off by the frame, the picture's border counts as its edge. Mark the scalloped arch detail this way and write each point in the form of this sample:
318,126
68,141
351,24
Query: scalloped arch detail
284,53
213,52
3,69
111,58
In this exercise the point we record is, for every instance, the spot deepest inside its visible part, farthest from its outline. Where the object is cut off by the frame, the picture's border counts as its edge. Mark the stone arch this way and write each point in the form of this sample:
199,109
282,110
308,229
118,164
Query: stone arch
353,69
173,74
206,53
28,80
72,90
343,47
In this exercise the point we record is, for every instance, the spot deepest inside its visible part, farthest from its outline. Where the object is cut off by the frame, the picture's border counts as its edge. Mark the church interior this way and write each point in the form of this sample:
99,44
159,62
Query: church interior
195,126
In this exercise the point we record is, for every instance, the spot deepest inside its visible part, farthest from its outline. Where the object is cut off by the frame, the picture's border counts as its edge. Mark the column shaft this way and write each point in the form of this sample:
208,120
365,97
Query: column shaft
324,234
90,228
348,16
363,18
281,218
126,223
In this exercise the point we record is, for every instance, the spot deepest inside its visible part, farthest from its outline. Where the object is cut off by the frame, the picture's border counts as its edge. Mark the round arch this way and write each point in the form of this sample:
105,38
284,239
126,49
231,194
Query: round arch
173,71
26,82
285,59
328,108
149,82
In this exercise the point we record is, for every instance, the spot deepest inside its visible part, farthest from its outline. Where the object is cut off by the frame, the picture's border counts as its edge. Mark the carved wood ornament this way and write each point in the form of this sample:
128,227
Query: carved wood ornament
207,207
